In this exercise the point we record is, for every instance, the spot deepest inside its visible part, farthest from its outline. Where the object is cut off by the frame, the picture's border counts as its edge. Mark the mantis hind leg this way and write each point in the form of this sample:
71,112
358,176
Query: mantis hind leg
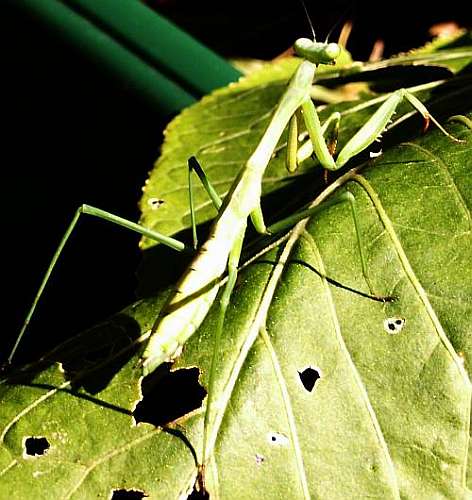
290,221
233,261
349,197
101,214
109,217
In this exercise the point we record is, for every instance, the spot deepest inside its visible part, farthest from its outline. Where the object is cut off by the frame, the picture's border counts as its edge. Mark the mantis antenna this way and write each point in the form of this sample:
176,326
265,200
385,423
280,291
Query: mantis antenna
336,24
309,19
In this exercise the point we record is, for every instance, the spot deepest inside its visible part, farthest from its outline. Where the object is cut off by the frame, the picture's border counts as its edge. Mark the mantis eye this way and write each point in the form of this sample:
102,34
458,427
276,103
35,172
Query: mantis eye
333,50
303,44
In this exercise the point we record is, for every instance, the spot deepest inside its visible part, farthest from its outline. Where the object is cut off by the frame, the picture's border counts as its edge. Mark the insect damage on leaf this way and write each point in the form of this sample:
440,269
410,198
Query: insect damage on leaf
308,377
128,494
35,446
276,438
155,203
259,459
169,396
394,325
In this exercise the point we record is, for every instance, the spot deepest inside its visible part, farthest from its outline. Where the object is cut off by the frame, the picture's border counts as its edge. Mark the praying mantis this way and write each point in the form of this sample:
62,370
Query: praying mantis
198,288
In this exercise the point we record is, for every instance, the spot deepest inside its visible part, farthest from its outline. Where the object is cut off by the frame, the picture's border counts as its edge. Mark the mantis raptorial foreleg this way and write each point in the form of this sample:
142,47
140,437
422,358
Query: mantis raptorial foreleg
365,136
296,154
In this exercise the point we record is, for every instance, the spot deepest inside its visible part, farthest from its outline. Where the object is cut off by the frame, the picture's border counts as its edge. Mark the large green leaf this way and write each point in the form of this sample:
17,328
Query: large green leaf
388,414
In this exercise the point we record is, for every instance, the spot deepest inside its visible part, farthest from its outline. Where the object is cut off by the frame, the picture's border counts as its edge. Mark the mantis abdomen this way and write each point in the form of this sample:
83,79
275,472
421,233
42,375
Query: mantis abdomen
197,289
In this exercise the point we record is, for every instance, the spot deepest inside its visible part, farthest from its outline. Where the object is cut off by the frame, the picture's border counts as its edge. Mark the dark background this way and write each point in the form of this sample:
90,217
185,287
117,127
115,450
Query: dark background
71,134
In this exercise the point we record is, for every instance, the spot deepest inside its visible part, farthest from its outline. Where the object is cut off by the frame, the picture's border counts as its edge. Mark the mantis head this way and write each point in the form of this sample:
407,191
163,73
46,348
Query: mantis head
317,52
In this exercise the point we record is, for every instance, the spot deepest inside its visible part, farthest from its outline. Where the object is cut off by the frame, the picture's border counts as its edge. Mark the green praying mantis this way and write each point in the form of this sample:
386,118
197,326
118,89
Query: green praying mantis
197,289
199,286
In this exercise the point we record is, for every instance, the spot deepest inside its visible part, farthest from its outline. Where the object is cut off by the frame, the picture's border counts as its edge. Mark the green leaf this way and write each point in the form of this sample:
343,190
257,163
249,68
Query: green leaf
388,416
320,391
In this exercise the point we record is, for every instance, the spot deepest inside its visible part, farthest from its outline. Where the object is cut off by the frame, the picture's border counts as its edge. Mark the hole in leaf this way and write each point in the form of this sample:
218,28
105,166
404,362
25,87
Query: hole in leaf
394,325
155,203
308,378
375,154
259,459
277,438
169,396
198,495
374,467
36,446
128,495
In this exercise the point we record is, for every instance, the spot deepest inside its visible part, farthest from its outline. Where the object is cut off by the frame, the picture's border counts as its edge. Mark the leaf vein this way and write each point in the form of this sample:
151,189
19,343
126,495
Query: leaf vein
107,456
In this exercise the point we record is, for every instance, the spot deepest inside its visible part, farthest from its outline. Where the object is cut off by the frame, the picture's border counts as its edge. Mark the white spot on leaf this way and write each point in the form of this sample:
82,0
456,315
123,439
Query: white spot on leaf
277,439
375,154
394,325
155,203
